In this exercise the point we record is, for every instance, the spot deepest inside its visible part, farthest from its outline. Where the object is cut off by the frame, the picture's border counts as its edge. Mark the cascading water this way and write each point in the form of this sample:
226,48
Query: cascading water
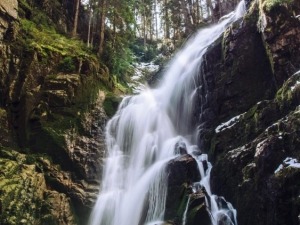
141,139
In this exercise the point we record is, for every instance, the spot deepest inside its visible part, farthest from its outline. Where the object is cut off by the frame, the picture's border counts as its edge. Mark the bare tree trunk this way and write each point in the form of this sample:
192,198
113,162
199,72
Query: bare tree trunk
89,29
135,24
151,20
114,29
156,20
167,22
92,32
144,24
217,10
190,11
74,31
197,11
211,9
102,26
188,20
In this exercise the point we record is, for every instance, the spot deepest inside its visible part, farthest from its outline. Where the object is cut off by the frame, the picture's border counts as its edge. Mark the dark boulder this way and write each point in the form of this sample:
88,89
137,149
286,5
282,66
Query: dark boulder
255,177
182,202
252,94
180,148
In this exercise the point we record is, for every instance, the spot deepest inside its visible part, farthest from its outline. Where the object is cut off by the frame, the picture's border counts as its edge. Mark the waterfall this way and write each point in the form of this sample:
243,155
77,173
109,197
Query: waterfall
141,139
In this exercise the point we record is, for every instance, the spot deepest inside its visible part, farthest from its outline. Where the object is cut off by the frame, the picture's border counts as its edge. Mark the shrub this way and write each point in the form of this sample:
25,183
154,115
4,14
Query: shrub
67,65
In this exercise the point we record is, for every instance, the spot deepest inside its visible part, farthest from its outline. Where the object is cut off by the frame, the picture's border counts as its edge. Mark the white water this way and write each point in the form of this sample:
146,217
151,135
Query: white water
220,210
141,139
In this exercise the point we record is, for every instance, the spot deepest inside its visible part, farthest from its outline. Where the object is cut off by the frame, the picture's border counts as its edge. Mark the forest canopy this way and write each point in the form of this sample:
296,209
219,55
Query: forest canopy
118,30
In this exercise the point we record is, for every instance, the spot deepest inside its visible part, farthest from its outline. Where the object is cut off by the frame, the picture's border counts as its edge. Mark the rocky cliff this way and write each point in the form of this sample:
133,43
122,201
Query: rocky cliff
52,117
53,109
248,114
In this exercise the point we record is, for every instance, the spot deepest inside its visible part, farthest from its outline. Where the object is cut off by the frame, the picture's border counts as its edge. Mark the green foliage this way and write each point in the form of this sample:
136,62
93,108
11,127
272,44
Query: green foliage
46,41
59,124
111,104
67,65
34,158
269,4
20,201
118,58
150,53
2,113
145,53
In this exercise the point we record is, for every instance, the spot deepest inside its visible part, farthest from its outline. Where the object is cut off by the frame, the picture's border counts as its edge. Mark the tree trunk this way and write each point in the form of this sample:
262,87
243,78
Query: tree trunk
167,22
102,26
144,24
188,20
89,29
74,31
211,9
156,20
114,29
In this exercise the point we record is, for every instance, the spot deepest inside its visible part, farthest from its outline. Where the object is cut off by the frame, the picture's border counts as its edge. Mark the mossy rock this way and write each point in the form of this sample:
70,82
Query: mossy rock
24,194
271,4
21,190
111,104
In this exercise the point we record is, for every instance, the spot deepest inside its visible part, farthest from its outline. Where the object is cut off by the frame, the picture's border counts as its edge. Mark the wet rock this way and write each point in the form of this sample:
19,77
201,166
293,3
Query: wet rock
86,150
249,153
182,172
198,210
281,33
180,148
235,75
250,176
183,169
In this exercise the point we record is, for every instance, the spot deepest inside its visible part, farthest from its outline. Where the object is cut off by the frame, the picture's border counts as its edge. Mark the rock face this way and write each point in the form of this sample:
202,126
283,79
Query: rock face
254,168
8,14
249,116
182,173
52,119
281,32
25,198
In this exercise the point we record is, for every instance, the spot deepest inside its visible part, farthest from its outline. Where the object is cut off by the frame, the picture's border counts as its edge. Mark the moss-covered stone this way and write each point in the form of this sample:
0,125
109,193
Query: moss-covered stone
236,75
281,33
247,162
51,104
111,104
5,134
270,4
182,173
23,194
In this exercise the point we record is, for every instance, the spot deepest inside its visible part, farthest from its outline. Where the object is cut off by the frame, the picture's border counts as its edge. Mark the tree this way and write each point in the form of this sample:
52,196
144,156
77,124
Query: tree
102,9
75,24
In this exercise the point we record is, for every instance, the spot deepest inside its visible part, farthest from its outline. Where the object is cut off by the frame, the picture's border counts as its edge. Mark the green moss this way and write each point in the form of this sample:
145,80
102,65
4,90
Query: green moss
287,95
269,4
2,112
253,13
182,205
61,123
111,104
21,203
36,158
87,95
67,65
49,220
46,40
